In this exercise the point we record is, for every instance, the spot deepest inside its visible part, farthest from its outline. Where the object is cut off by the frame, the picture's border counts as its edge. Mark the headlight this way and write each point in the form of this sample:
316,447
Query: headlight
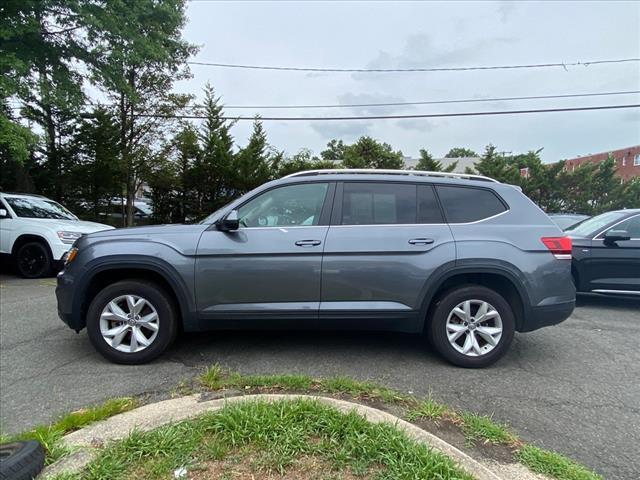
69,237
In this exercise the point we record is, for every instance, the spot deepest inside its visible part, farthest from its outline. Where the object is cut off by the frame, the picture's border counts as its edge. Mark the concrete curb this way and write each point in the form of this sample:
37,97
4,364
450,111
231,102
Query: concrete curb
84,442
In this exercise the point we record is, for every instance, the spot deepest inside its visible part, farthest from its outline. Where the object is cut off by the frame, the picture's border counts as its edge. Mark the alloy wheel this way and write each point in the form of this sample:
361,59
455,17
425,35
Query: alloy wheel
474,328
129,323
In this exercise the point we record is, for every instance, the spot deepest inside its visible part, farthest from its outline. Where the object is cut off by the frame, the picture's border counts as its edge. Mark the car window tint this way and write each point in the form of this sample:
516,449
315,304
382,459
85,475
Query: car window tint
428,208
378,203
468,204
291,205
631,225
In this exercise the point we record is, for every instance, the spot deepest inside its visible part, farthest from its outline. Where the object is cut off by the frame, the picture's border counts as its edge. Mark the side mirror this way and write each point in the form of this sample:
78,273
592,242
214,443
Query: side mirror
613,236
4,213
229,223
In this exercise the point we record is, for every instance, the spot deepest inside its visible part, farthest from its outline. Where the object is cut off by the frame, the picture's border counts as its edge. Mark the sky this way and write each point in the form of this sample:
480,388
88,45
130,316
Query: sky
424,34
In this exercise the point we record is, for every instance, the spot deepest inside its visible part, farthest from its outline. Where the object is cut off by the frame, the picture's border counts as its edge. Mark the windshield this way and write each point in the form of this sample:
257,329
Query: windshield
595,224
32,207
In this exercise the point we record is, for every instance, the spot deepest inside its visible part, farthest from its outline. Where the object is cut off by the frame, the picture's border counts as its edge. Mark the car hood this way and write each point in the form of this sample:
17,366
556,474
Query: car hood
79,226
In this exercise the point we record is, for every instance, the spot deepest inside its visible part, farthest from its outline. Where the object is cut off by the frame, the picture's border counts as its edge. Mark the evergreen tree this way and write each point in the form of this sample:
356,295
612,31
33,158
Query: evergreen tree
430,164
252,166
369,153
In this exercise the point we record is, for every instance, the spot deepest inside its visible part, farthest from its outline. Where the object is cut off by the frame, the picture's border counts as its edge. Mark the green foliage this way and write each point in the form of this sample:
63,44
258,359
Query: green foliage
459,152
277,433
483,427
50,435
429,409
430,164
554,465
369,153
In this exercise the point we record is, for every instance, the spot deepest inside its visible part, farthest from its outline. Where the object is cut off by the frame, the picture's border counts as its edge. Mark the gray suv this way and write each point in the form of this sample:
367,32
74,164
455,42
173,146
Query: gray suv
461,258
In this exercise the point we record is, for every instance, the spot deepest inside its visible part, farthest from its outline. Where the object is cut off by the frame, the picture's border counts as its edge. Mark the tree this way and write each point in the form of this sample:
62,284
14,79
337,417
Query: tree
252,165
460,152
334,152
143,53
17,145
303,160
497,166
369,153
214,168
430,164
96,171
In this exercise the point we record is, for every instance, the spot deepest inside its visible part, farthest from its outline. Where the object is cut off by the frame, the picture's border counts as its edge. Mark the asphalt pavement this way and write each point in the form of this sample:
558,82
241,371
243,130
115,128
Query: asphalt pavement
573,388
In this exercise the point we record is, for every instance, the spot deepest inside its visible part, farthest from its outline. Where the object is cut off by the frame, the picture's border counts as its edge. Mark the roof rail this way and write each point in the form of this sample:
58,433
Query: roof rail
372,171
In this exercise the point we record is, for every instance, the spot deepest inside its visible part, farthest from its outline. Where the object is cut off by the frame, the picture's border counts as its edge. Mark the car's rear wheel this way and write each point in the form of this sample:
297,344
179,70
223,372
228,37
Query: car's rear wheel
132,321
33,260
472,326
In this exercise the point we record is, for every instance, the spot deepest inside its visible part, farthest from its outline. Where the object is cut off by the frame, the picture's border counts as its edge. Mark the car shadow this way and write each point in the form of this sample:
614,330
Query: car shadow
617,302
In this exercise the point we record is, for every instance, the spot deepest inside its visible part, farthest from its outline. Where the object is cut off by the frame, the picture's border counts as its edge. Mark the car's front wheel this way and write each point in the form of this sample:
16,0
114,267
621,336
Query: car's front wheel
132,321
472,326
33,260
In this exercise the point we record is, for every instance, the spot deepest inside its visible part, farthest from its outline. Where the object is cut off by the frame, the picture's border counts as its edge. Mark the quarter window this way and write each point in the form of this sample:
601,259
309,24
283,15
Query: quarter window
291,205
378,203
468,204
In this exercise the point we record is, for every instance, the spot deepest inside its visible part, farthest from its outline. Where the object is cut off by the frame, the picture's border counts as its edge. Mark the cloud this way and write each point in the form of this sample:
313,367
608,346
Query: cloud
368,98
416,124
344,130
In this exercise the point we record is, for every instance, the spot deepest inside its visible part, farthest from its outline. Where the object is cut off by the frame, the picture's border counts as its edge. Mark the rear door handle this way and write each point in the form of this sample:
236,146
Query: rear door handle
421,241
308,243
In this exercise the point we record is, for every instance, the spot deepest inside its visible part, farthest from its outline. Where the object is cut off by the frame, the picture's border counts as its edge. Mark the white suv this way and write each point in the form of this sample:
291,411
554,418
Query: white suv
37,232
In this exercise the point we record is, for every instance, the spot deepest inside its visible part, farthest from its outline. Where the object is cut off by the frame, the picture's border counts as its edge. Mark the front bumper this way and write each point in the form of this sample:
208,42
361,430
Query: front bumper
544,316
65,290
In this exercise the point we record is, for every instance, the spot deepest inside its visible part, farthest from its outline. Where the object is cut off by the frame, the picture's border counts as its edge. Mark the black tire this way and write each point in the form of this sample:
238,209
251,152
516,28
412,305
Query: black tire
33,260
167,320
21,460
437,329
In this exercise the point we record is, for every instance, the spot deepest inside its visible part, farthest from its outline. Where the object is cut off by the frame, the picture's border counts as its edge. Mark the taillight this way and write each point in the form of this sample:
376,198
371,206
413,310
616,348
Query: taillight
559,246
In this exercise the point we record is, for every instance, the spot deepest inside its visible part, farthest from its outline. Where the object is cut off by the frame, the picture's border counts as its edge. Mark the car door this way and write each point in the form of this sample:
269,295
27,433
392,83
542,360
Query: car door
270,266
616,266
384,242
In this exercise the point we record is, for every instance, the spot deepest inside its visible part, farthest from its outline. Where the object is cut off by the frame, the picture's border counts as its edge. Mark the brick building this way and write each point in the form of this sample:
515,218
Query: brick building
627,162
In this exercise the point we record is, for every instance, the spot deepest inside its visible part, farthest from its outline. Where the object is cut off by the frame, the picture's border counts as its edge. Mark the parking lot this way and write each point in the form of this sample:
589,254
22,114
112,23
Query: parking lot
573,388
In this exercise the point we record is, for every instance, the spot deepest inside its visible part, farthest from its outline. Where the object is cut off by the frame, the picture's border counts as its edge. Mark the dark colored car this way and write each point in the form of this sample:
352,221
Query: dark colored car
453,256
606,253
567,220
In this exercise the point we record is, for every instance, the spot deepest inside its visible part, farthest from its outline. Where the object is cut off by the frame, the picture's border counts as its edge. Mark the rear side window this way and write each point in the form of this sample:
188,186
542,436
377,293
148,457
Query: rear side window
468,204
378,203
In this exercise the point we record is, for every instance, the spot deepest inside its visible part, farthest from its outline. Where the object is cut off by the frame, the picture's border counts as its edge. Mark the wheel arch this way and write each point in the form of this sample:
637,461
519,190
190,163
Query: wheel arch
26,238
153,270
499,279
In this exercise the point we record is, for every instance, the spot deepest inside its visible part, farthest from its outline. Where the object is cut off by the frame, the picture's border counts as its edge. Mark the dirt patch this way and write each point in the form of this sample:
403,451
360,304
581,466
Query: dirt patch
250,467
450,432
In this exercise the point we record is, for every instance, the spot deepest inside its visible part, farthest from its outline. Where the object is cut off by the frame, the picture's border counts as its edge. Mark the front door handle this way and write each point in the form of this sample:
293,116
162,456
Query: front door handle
308,243
421,241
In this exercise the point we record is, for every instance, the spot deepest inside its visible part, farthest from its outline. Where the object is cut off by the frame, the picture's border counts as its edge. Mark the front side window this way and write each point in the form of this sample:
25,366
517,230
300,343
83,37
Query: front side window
631,226
369,203
468,204
288,206
32,207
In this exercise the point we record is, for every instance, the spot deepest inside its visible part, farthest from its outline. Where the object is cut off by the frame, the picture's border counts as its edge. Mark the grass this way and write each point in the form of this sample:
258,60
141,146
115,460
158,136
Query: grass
50,435
553,464
215,378
272,438
482,427
429,409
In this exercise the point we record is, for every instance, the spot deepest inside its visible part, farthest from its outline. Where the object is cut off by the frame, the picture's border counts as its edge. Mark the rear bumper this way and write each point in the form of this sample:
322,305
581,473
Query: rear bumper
547,315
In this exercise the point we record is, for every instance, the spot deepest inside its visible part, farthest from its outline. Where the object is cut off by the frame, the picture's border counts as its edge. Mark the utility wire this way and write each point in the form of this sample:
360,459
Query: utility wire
416,69
389,117
430,102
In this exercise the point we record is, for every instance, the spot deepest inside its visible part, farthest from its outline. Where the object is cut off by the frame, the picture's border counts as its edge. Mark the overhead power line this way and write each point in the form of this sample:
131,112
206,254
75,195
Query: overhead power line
431,102
391,117
414,69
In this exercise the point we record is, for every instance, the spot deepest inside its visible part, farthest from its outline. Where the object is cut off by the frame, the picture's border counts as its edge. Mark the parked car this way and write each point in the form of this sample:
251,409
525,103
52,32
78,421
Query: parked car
606,253
453,256
567,220
37,232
